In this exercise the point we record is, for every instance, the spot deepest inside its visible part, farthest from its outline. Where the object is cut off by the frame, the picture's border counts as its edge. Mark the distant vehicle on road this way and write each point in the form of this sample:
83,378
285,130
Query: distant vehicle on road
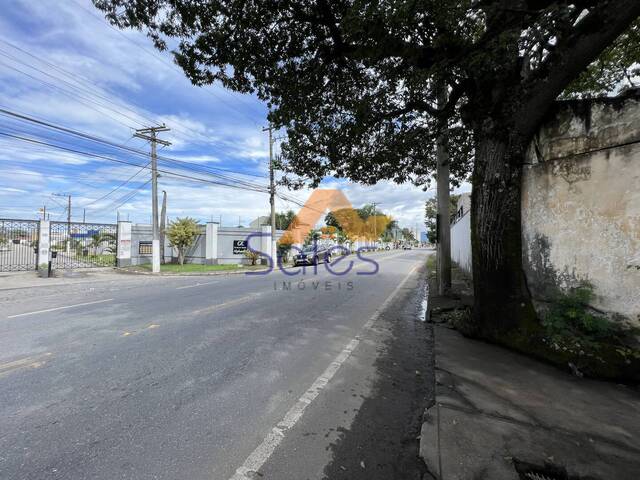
312,256
406,246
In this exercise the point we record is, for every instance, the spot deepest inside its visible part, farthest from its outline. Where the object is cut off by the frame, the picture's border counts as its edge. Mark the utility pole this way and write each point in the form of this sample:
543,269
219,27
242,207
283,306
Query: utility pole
69,224
151,135
68,209
163,214
84,215
375,225
272,194
444,231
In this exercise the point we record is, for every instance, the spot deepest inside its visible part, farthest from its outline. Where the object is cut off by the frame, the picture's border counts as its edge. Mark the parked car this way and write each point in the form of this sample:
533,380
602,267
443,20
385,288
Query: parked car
406,246
312,255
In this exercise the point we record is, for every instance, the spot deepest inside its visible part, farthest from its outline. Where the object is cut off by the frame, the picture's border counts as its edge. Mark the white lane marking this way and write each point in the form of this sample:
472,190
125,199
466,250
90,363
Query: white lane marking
60,308
197,285
261,454
229,303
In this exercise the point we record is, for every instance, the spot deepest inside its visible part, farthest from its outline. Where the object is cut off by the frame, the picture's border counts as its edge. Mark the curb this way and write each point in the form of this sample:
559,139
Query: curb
188,274
429,444
196,274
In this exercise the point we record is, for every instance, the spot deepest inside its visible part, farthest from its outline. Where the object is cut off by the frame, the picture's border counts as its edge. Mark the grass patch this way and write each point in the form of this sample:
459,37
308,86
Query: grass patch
104,260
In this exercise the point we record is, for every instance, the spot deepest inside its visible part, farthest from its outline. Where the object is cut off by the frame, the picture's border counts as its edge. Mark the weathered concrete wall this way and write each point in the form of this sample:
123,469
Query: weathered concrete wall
461,242
581,203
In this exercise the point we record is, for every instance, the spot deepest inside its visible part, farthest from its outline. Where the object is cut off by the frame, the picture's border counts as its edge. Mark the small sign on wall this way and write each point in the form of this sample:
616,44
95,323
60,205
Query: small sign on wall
239,247
124,240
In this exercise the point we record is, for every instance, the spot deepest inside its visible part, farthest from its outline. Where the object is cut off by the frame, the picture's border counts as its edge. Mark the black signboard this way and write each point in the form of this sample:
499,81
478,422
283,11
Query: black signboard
239,247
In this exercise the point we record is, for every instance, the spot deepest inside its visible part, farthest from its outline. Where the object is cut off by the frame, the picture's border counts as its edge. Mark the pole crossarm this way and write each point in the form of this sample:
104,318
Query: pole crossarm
150,134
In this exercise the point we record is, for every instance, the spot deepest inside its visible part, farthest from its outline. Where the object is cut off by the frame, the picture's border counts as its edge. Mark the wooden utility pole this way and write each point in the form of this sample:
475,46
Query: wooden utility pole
272,194
444,232
163,215
151,135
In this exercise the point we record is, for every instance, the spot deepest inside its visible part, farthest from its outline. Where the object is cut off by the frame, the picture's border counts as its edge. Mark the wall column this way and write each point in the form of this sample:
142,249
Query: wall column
265,240
211,244
44,243
123,255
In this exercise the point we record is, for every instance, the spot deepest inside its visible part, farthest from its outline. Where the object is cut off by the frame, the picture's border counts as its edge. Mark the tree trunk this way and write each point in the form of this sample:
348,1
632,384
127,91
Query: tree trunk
503,311
181,256
444,205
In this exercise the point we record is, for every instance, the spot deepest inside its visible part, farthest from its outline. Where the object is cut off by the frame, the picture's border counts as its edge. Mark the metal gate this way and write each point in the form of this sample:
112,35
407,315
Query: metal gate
83,245
18,245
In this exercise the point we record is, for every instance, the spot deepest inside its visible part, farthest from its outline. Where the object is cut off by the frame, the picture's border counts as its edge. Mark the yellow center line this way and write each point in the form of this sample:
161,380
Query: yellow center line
34,361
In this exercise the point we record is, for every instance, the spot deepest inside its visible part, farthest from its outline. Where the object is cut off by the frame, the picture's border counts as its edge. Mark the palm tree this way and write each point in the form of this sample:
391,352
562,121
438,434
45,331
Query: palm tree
97,239
313,236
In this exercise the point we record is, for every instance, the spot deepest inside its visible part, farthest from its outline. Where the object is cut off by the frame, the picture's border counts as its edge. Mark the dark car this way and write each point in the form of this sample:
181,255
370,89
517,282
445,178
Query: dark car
312,256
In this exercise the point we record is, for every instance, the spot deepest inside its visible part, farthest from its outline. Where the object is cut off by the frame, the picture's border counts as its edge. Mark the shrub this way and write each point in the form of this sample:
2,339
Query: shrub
181,234
252,256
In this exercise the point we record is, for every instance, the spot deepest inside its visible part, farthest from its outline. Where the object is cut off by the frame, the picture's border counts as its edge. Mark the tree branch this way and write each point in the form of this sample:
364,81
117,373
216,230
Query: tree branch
597,30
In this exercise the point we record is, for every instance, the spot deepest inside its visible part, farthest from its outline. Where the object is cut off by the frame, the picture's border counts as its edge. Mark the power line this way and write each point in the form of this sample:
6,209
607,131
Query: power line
160,59
118,202
256,188
83,91
225,178
70,95
94,138
118,187
77,86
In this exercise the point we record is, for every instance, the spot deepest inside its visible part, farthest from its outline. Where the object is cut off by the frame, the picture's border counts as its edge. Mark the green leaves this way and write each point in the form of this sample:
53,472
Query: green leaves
353,82
572,316
615,68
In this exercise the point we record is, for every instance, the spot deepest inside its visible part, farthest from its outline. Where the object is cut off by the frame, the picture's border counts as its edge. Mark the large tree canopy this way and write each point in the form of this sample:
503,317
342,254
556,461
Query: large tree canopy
357,85
353,81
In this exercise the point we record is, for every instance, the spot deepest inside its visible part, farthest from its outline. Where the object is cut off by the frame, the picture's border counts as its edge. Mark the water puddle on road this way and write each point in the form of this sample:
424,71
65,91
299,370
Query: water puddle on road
424,303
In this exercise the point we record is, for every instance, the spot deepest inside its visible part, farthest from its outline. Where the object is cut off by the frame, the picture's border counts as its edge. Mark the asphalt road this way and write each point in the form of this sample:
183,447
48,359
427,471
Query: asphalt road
217,377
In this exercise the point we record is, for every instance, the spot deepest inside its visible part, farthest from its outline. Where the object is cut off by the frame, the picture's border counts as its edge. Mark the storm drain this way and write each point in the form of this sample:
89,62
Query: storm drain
538,476
527,471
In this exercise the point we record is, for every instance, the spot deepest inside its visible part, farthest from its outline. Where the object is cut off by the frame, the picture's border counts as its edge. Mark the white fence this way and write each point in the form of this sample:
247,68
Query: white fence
461,242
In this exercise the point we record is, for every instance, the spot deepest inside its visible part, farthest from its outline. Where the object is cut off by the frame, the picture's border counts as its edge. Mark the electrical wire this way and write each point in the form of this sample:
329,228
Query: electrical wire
81,91
94,138
117,203
256,187
160,59
118,187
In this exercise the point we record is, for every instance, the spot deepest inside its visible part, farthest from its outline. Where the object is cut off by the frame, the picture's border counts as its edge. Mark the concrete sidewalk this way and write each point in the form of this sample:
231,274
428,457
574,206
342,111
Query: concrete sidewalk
496,409
30,279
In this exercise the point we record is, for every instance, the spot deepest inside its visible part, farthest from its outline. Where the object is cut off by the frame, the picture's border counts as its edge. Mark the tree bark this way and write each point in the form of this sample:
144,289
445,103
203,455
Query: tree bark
444,230
503,310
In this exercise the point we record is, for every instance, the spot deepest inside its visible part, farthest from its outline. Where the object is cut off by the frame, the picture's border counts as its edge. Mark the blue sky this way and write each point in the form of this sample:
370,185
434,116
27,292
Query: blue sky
61,62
